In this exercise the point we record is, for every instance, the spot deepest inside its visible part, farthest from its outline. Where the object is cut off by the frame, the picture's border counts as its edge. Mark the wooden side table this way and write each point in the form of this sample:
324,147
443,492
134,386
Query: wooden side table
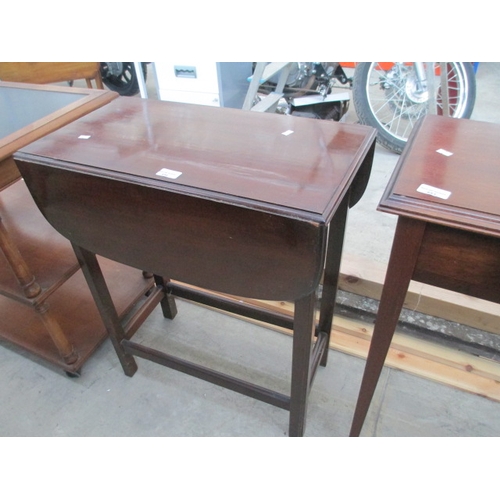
243,203
44,307
445,191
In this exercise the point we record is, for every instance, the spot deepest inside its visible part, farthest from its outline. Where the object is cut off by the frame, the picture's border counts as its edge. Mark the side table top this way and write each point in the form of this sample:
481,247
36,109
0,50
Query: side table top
449,173
268,162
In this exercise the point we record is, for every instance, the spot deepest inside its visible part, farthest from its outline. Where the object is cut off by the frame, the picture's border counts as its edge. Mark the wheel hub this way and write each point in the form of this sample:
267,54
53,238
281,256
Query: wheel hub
114,68
414,91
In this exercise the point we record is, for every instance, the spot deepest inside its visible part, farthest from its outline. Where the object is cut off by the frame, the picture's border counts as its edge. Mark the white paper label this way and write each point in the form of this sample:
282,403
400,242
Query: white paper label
434,191
169,174
84,137
443,152
287,132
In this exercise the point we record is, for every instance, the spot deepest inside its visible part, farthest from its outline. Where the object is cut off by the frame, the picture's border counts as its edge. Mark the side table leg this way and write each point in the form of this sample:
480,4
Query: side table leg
404,254
301,363
332,273
104,302
168,305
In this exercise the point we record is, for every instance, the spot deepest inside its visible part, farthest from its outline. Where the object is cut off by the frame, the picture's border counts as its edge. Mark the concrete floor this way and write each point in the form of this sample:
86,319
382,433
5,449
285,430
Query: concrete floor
39,400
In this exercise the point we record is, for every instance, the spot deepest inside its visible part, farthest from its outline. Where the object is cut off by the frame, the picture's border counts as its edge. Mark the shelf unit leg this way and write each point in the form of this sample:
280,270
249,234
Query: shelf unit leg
32,290
63,345
18,265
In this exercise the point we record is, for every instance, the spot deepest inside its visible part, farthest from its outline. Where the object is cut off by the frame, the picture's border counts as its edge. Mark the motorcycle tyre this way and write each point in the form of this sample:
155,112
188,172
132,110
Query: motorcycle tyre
125,88
366,115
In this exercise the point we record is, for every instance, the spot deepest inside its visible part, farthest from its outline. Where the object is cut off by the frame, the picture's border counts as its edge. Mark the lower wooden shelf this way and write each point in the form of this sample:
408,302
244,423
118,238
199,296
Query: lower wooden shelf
73,307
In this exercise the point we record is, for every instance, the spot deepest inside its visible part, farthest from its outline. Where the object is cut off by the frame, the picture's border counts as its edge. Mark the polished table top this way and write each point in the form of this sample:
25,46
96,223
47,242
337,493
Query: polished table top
273,163
449,174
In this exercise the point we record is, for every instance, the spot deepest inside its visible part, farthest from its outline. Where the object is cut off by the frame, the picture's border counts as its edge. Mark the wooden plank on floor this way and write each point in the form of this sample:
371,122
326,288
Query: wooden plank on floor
422,366
411,354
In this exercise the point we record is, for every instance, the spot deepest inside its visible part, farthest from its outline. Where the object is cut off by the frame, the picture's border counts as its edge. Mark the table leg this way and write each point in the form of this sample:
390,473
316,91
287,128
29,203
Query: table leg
301,363
99,289
168,305
404,254
331,274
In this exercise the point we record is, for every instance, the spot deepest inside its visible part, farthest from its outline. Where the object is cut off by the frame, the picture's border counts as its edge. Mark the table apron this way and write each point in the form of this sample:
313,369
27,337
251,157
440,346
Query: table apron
461,261
209,244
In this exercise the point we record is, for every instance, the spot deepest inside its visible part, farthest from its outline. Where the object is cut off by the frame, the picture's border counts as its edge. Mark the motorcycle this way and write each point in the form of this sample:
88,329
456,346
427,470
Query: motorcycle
308,91
121,77
389,96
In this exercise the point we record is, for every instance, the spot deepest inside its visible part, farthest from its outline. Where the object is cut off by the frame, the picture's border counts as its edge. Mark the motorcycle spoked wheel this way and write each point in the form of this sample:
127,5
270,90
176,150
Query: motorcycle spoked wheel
385,96
125,83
